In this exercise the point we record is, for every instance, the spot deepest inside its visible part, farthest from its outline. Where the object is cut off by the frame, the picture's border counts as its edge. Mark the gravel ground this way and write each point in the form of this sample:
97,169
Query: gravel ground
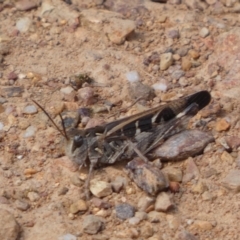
73,56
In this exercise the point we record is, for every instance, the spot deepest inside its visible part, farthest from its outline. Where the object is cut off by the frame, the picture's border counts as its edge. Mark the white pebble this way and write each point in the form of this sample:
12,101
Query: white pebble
30,131
21,76
19,157
66,90
132,76
204,32
134,220
190,221
30,109
1,126
67,236
160,87
23,24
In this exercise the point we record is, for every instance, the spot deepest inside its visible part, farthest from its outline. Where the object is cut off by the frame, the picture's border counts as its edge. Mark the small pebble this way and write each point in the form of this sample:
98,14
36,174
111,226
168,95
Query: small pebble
174,187
78,206
103,213
207,196
176,57
182,51
134,220
199,188
124,211
9,228
63,191
30,132
30,75
175,1
30,109
174,33
33,196
86,94
155,217
30,171
92,224
226,157
186,64
166,60
222,125
146,230
191,172
100,203
174,174
138,89
232,180
233,141
118,184
183,82
21,205
133,76
68,236
21,76
144,203
204,32
12,76
173,221
141,215
211,2
162,18
202,225
163,202
178,74
100,188
3,100
25,5
160,87
23,24
75,180
67,90
194,54
12,91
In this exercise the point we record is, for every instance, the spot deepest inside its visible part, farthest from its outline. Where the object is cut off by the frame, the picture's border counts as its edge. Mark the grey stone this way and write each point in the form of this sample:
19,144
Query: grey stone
183,145
124,211
146,176
22,205
9,228
232,180
92,224
30,109
11,91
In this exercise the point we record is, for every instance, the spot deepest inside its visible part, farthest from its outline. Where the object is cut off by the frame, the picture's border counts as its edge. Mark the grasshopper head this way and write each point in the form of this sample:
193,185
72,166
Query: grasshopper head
76,146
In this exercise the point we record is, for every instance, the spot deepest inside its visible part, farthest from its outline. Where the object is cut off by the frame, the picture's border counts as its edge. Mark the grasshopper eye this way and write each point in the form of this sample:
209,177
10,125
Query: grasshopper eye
78,141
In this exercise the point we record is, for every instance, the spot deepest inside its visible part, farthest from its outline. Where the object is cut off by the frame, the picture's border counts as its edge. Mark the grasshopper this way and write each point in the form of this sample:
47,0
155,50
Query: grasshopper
136,135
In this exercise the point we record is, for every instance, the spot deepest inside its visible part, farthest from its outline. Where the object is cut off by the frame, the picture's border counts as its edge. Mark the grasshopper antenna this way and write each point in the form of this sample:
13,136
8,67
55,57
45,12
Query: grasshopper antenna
63,132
